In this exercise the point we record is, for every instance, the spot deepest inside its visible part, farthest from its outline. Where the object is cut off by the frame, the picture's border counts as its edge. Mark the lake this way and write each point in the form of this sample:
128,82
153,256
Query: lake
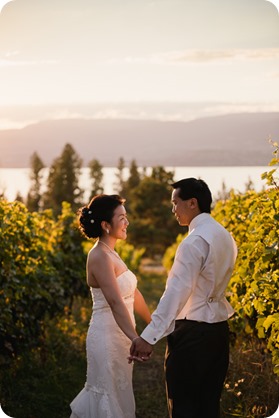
13,180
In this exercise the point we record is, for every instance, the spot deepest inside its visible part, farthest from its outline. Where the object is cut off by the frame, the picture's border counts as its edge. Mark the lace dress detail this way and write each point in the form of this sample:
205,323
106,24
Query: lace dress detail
108,391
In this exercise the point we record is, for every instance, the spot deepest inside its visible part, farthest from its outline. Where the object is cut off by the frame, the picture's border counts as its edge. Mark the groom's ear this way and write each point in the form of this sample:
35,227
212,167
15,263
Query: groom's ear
193,203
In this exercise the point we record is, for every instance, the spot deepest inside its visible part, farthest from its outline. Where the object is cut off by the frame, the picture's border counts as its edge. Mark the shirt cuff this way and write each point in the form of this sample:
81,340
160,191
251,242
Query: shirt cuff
152,335
149,336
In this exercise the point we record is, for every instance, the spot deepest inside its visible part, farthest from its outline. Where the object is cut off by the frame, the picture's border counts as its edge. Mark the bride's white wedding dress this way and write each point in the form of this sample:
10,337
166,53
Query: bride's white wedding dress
108,391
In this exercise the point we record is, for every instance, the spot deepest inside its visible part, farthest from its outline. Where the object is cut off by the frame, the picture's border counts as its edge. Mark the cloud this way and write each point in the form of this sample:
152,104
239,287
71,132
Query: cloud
122,27
199,56
12,118
11,60
210,55
68,50
12,124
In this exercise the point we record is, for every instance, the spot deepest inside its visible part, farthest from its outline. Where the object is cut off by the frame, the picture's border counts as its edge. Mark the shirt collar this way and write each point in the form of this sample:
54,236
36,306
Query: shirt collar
197,220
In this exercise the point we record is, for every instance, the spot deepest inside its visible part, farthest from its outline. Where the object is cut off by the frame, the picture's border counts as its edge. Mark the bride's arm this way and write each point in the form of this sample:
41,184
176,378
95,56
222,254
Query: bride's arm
103,271
141,307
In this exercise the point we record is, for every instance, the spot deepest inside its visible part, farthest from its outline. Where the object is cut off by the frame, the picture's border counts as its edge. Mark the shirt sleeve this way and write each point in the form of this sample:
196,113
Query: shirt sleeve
189,259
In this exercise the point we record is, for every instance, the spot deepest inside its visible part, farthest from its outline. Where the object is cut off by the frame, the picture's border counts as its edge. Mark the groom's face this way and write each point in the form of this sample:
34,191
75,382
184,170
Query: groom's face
182,209
179,207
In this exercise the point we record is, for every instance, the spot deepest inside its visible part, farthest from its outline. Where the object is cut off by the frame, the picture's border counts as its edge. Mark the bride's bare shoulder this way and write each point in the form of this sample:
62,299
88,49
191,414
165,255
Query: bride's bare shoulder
96,254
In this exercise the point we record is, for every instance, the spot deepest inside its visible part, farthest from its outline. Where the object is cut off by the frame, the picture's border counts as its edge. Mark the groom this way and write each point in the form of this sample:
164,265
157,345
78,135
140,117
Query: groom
193,310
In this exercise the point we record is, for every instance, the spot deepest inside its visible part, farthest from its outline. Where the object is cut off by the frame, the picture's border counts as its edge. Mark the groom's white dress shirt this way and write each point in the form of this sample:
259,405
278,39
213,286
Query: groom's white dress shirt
197,281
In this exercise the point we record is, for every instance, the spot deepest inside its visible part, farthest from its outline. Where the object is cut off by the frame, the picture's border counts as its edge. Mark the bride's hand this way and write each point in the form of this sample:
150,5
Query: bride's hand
140,350
138,358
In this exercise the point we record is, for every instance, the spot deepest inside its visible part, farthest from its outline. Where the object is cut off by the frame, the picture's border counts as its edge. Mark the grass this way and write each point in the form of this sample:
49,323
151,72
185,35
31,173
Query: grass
43,382
251,388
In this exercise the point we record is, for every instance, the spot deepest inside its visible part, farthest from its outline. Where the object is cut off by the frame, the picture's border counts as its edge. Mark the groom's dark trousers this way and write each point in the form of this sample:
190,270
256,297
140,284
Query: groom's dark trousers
196,364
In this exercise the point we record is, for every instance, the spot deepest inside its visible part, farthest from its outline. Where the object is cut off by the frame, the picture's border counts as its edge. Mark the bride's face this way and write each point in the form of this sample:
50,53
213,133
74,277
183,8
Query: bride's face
119,223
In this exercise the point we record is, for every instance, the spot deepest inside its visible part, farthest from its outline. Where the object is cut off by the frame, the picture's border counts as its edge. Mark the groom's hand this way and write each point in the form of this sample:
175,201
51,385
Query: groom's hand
140,350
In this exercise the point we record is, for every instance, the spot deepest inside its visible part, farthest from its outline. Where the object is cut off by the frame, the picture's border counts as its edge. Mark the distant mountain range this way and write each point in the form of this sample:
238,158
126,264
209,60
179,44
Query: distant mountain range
228,140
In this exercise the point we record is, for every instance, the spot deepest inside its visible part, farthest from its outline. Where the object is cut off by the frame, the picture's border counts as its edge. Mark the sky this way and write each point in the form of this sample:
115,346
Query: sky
122,52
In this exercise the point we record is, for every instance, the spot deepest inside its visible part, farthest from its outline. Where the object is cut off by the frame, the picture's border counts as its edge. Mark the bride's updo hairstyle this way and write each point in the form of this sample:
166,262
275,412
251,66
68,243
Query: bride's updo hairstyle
100,208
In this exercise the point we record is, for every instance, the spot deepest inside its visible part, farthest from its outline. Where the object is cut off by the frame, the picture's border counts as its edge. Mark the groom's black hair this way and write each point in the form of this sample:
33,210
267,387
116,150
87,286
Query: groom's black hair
197,188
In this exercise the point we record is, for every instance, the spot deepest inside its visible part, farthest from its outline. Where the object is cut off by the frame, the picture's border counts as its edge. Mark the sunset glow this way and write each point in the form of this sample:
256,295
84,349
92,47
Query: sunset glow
119,51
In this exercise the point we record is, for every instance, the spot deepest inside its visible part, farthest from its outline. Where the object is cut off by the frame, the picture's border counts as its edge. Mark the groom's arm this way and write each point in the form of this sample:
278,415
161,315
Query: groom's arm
180,284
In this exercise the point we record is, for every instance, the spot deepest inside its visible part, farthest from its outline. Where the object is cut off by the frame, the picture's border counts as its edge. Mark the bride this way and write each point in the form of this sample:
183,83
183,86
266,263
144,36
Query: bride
108,391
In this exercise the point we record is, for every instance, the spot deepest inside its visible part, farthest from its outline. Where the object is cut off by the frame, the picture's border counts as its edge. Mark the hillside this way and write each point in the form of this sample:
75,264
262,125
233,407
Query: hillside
230,140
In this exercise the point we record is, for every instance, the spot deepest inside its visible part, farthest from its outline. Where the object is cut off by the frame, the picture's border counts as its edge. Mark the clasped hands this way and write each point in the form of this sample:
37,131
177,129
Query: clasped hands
140,350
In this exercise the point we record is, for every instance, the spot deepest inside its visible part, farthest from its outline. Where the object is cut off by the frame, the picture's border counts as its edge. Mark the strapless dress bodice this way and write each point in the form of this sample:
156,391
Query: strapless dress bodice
127,283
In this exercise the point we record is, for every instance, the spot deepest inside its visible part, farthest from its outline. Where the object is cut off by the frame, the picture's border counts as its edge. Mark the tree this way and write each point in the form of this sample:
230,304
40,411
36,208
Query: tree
119,185
249,185
152,224
223,194
134,176
96,175
159,173
131,183
2,191
63,181
19,197
34,194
